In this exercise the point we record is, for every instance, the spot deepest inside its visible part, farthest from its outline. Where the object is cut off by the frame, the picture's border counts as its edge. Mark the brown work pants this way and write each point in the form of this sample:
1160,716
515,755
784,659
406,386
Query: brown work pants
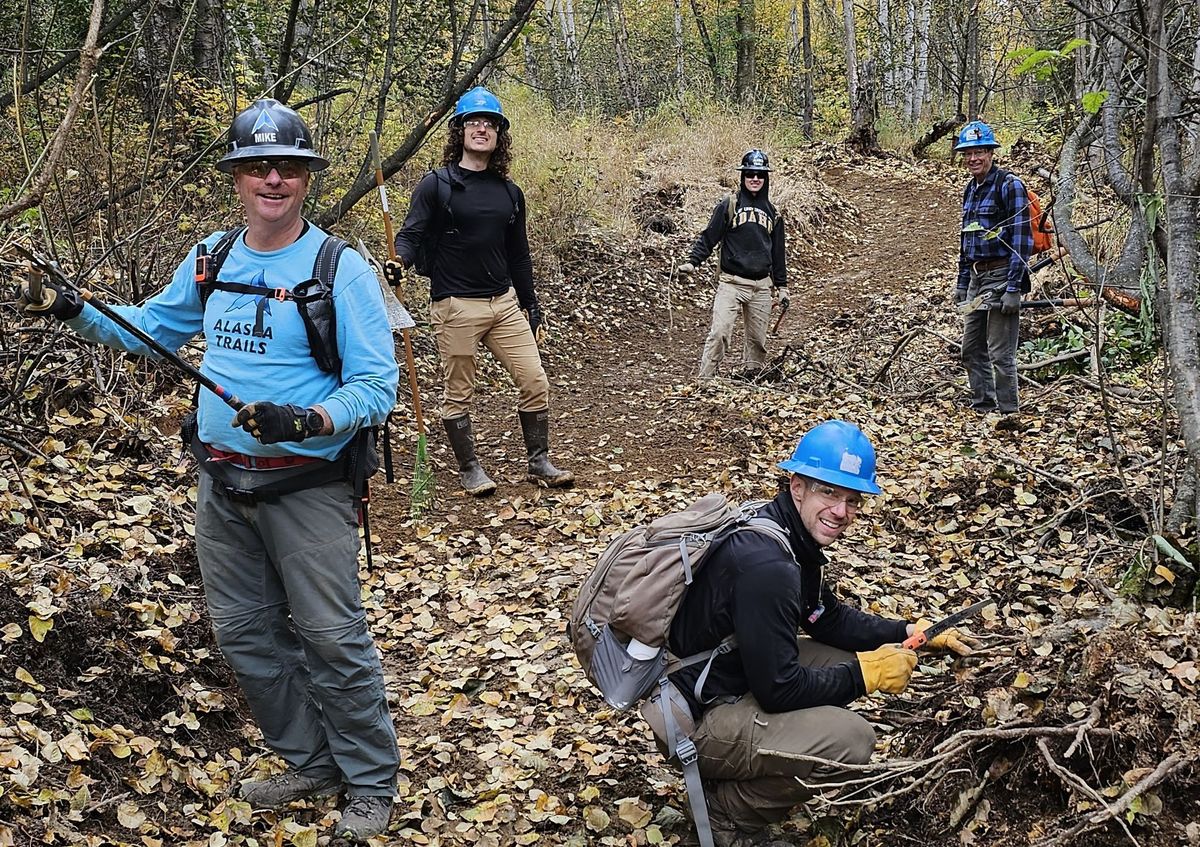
461,324
749,298
751,779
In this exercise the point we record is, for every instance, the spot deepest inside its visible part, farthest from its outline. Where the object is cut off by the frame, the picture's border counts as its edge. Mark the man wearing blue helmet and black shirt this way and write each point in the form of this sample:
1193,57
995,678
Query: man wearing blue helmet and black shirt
276,525
750,233
465,230
801,653
993,268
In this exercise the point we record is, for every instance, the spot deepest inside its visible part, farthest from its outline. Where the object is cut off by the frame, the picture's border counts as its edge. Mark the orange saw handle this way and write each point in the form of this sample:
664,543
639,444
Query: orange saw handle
915,641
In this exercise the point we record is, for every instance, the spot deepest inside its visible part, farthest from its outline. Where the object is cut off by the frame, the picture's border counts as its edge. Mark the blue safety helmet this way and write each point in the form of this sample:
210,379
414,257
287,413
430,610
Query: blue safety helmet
755,160
976,134
270,130
838,453
479,101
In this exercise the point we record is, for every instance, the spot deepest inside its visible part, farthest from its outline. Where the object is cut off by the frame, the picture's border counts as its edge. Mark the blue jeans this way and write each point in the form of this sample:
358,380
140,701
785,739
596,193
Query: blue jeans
989,345
281,581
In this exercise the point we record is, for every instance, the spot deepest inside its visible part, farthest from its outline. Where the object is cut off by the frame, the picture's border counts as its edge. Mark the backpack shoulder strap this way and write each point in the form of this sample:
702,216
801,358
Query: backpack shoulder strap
443,211
212,266
730,208
515,197
328,256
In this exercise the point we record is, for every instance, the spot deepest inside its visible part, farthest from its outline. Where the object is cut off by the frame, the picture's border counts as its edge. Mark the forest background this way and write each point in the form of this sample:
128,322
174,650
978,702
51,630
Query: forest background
121,725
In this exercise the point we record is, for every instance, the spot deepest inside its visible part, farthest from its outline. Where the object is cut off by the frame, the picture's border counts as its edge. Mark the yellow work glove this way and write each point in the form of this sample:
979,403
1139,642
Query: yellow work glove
887,668
951,639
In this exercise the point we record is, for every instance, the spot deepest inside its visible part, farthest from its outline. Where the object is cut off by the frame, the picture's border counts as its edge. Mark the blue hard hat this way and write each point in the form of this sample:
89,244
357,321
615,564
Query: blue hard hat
270,130
838,453
976,134
479,101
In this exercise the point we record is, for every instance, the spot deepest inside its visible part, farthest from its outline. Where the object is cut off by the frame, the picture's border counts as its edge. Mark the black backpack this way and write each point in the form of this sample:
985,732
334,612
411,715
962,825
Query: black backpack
443,221
314,300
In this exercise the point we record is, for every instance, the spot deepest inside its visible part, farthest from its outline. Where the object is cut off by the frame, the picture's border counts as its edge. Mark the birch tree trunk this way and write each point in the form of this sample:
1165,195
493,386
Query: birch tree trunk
710,52
972,60
566,23
806,41
206,40
800,62
747,36
680,78
614,11
921,81
558,83
883,21
851,51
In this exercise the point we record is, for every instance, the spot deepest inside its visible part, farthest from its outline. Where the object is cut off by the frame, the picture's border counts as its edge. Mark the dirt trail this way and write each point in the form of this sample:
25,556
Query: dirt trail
473,598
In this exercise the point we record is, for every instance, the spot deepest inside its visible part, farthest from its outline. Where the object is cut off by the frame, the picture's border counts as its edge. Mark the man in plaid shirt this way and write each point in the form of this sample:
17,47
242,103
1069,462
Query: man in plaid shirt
993,270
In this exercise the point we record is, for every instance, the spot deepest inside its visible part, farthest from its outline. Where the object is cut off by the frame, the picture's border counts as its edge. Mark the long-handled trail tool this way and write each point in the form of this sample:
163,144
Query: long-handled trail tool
52,269
422,483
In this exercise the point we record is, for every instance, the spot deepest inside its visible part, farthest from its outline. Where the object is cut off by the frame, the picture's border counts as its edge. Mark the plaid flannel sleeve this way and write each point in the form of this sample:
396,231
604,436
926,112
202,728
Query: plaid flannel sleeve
1017,231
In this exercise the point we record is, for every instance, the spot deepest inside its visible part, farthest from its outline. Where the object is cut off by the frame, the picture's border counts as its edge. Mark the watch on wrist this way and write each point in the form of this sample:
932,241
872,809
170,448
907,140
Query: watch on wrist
313,422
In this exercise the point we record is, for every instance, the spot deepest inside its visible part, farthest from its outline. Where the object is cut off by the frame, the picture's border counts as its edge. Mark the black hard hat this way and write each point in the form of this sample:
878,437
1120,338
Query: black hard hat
270,130
755,160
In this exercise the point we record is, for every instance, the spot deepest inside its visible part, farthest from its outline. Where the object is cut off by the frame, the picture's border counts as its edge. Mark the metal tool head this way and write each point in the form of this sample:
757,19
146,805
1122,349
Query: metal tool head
956,618
398,317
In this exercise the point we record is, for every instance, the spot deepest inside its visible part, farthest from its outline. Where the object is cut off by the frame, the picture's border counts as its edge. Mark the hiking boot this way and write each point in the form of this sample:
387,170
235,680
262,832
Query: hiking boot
288,787
470,473
536,428
364,817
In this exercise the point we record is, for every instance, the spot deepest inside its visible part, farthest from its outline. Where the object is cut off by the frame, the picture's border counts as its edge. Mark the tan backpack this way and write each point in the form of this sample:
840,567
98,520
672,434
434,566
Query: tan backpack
621,620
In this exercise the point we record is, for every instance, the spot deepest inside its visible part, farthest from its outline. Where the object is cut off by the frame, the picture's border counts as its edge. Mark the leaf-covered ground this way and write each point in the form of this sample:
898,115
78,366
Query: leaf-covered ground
120,724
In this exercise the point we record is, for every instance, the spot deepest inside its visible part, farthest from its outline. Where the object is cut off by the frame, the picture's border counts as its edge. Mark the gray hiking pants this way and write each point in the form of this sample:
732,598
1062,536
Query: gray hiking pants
281,581
747,754
989,345
749,298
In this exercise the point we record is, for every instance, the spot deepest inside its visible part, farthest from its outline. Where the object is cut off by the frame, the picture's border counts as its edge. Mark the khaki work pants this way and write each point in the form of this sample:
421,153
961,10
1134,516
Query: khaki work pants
745,752
461,324
749,298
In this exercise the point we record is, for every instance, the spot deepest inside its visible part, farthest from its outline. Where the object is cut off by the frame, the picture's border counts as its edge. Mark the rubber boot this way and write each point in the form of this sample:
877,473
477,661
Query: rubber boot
474,481
536,427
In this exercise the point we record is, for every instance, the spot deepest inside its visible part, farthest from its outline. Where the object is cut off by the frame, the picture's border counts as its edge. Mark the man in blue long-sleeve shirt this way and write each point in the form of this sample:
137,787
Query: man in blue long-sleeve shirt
276,524
993,267
777,697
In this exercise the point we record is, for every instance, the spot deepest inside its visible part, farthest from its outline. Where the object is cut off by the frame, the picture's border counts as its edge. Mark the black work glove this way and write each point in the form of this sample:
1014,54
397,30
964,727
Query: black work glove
61,303
1010,303
393,272
271,423
960,295
536,321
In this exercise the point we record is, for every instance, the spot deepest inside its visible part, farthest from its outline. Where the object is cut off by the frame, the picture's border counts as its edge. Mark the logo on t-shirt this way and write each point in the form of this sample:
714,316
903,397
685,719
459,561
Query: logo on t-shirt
234,334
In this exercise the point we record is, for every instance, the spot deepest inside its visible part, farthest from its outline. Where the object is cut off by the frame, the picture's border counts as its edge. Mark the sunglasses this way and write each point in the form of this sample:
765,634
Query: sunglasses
756,175
261,168
486,123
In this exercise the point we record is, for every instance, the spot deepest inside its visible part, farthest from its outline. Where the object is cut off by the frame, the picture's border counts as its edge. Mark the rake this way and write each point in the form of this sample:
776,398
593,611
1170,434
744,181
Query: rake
422,481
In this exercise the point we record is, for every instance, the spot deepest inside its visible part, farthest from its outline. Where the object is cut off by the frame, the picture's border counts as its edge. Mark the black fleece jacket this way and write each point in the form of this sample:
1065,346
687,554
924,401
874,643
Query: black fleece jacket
483,247
747,249
751,586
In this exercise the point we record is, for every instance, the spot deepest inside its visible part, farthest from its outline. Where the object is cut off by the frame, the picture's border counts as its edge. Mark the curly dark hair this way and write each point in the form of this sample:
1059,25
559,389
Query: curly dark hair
501,158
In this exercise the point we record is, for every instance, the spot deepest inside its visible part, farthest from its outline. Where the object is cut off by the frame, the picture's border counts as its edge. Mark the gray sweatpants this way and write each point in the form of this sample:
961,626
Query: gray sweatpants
750,298
751,781
281,580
